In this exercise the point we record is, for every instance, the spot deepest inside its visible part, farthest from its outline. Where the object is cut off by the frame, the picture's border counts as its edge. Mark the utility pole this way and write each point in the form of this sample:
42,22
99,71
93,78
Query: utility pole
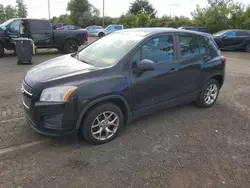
49,8
103,3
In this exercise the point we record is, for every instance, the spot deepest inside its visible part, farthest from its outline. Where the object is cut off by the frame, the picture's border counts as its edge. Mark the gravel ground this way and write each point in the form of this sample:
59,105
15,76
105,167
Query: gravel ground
182,147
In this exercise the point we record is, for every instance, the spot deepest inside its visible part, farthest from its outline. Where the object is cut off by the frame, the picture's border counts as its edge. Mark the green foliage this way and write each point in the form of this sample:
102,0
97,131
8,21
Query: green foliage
2,14
220,15
21,9
10,12
142,7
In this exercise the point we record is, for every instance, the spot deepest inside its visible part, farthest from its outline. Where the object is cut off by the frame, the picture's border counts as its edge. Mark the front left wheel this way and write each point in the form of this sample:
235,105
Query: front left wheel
102,124
247,48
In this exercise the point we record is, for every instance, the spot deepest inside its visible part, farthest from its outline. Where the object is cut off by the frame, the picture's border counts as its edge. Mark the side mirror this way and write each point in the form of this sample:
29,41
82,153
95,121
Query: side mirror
224,36
146,65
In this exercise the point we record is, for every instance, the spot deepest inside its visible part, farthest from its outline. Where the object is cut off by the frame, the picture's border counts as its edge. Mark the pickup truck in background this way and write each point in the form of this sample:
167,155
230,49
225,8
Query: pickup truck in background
41,31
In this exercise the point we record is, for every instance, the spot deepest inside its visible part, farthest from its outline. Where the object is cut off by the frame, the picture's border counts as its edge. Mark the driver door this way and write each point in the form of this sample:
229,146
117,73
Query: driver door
155,86
14,29
230,39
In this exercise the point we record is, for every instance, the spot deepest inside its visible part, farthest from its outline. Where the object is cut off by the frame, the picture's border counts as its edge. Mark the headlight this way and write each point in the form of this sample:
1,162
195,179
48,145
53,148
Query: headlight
57,94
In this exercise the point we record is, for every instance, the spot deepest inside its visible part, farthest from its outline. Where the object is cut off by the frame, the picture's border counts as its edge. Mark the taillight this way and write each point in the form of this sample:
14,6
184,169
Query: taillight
224,59
86,36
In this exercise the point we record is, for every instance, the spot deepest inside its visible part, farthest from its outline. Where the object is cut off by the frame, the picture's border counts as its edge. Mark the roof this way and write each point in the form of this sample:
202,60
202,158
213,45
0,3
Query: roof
157,30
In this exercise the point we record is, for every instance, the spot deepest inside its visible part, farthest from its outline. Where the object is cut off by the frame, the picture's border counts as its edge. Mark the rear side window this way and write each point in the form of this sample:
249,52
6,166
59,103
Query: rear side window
189,45
242,33
39,25
118,27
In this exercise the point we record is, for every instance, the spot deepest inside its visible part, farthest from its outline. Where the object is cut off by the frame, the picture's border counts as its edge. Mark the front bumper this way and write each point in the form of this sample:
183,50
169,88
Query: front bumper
52,119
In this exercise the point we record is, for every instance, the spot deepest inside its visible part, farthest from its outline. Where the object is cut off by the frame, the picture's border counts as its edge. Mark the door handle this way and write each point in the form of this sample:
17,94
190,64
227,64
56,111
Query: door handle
172,70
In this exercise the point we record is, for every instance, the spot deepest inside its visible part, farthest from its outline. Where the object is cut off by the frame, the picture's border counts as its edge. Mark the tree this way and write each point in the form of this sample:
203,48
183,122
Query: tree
79,9
142,7
21,9
10,12
2,14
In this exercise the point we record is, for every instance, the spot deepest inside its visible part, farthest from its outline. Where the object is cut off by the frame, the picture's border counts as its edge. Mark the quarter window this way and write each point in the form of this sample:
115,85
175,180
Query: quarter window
189,45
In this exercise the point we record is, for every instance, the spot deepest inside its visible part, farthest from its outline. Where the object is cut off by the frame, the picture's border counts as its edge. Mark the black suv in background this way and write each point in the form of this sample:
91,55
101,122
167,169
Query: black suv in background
120,77
233,40
195,28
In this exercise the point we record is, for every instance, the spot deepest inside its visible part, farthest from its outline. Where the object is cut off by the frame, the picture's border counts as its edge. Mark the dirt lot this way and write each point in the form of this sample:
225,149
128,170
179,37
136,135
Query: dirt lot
181,147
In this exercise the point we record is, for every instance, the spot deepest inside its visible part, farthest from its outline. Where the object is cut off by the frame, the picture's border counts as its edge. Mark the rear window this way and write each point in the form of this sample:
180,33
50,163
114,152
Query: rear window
39,25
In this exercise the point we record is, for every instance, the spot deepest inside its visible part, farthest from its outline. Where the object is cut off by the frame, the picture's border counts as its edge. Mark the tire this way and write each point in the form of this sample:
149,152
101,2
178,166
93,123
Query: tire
100,35
247,48
1,50
209,94
60,49
70,46
91,119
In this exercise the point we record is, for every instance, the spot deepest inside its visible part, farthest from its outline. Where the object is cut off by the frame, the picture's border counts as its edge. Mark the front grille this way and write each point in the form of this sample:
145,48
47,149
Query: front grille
27,101
26,87
27,95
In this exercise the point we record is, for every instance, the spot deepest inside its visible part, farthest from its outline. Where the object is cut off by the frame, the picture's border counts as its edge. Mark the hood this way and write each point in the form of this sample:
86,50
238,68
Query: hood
57,68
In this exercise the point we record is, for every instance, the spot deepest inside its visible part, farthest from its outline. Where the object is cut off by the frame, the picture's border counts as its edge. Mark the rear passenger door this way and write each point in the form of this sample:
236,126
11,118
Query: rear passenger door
41,32
149,88
190,63
242,37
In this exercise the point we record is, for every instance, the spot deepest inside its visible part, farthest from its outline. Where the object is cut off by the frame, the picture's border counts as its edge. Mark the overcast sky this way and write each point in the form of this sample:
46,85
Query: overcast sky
114,8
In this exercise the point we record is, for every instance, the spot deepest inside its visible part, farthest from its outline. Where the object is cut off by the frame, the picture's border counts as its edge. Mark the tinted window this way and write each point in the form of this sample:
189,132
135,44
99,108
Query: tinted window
118,27
230,34
189,45
15,26
208,47
203,45
39,25
242,33
159,50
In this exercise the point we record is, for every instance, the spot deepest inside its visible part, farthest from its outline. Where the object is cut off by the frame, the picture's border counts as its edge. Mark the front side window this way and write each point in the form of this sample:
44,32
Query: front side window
158,50
230,34
15,26
188,45
109,50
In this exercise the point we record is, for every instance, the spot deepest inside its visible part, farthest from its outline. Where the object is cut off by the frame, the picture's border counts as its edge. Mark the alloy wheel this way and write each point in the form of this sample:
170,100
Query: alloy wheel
105,125
211,94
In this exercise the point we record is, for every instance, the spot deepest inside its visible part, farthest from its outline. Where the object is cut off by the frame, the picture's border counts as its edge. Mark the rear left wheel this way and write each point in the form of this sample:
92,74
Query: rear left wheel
70,46
102,124
209,94
1,50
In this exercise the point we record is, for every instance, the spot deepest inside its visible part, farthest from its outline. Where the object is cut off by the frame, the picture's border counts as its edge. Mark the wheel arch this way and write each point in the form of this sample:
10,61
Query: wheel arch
117,100
218,77
71,38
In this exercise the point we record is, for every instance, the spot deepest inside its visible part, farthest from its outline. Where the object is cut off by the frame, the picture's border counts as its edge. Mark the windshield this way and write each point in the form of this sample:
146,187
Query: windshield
109,50
220,33
7,22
